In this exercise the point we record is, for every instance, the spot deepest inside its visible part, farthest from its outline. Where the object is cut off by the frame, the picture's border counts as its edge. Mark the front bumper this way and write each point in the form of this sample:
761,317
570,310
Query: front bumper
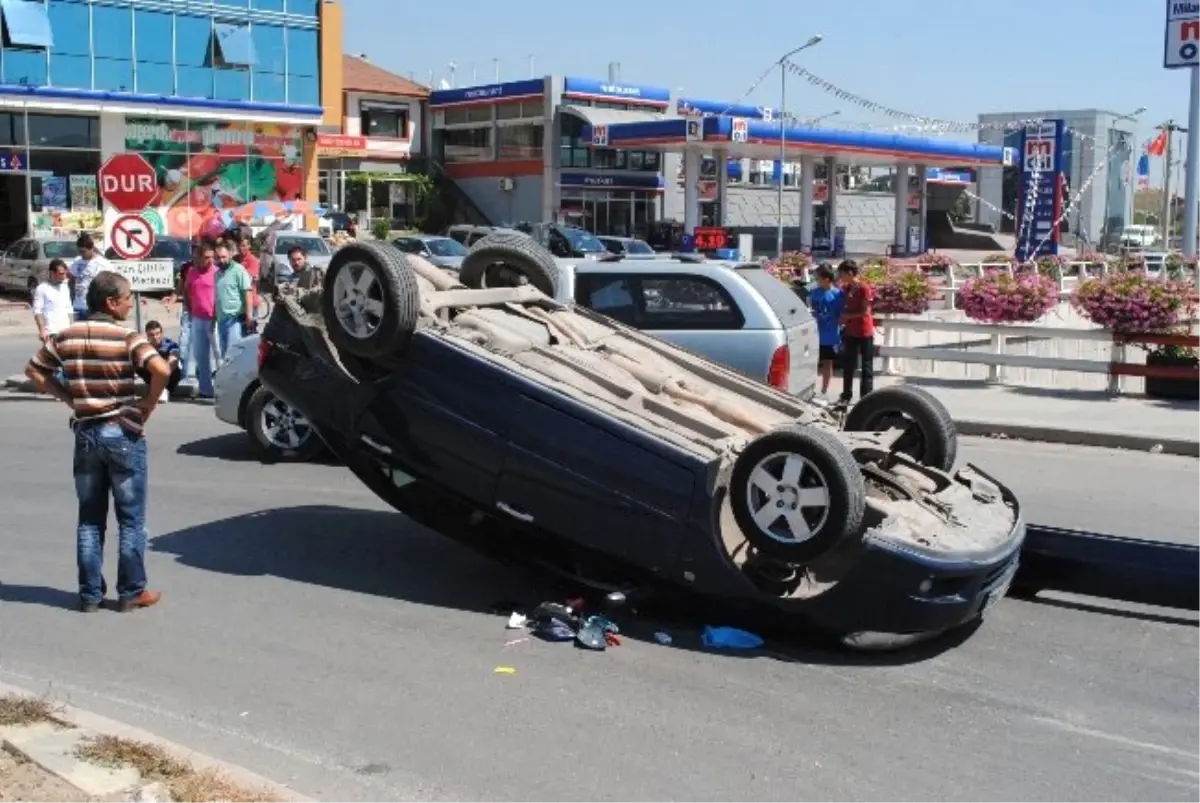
897,590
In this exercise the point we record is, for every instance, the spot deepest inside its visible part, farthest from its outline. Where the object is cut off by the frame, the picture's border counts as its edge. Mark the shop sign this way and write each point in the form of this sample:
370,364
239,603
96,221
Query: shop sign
12,162
1040,209
597,181
341,145
629,93
156,135
1181,44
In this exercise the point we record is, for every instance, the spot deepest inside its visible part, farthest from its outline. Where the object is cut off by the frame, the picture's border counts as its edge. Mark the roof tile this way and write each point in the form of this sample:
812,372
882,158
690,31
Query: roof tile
359,75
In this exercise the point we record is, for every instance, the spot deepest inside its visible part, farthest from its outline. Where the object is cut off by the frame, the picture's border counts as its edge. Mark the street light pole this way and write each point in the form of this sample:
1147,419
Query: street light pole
783,139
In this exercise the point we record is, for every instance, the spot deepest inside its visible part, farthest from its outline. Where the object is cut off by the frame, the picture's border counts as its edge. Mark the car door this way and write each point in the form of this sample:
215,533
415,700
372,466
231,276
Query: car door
25,275
442,416
10,266
576,474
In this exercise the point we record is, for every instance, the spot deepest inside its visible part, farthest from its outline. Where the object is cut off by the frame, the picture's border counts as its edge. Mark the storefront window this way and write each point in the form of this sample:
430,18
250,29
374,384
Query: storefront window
519,109
63,131
12,129
24,67
384,120
467,145
470,114
521,142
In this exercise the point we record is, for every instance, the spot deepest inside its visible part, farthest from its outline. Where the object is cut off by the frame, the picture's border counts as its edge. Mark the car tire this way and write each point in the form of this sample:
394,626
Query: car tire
370,301
781,472
279,430
931,440
514,250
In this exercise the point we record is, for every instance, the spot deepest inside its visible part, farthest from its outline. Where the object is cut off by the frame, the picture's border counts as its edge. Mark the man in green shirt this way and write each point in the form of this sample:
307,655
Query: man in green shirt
235,288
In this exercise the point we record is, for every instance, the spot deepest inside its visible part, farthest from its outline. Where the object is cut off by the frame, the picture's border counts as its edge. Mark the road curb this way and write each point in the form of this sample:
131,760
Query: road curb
87,721
1074,437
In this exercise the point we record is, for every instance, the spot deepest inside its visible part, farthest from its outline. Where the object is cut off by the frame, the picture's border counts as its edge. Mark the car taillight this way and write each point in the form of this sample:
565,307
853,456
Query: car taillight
264,351
777,374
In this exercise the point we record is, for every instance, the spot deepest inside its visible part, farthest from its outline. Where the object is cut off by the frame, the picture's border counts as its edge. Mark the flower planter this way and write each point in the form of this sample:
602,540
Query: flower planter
1159,388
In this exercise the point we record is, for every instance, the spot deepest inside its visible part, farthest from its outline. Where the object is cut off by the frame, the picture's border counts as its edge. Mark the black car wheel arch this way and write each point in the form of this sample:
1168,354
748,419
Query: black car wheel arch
370,300
520,254
797,493
930,436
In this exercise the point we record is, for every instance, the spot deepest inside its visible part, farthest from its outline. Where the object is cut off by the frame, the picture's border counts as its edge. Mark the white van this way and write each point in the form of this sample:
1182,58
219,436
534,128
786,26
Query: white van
1139,236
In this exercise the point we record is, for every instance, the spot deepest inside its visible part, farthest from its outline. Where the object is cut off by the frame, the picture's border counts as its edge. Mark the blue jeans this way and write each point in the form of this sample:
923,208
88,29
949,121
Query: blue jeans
229,331
108,460
202,353
187,366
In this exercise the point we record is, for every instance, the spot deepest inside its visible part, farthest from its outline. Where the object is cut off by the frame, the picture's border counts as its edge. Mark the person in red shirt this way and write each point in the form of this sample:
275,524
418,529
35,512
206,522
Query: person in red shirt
858,331
250,262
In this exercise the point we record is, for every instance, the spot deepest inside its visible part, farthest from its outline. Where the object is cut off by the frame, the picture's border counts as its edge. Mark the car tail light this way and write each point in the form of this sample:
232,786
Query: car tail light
264,351
777,373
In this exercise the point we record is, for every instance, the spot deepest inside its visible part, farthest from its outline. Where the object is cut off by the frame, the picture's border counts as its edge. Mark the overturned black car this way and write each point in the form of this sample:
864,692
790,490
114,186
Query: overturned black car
504,413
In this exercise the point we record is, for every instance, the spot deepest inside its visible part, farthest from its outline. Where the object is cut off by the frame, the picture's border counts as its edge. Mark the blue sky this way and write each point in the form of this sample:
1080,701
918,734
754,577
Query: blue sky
952,60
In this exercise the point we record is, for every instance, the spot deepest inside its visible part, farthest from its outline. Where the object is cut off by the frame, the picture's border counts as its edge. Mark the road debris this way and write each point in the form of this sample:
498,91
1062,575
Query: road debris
729,638
663,638
504,670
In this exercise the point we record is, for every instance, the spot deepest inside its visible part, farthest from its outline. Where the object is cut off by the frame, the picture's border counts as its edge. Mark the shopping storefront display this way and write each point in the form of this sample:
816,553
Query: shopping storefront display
206,169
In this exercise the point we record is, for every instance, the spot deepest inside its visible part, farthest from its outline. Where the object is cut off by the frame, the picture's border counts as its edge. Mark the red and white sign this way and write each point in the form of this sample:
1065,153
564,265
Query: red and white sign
341,145
128,182
131,237
1181,46
600,136
738,129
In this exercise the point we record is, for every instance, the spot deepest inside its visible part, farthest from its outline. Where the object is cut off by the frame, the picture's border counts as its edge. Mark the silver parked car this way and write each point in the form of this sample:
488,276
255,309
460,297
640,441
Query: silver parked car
730,312
445,252
272,248
25,263
628,247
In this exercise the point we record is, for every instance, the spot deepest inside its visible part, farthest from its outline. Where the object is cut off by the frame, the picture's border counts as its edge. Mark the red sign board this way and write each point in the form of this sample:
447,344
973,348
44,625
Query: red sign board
128,182
711,238
338,144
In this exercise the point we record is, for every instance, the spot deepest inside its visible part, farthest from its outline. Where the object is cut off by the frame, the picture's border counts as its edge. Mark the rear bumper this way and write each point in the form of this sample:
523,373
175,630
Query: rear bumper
892,589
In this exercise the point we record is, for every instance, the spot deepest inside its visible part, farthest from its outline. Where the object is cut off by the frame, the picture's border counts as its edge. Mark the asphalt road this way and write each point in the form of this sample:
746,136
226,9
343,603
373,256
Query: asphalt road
315,638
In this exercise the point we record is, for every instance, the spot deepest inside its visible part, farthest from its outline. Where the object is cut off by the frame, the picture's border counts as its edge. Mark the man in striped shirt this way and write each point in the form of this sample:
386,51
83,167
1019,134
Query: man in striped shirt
100,359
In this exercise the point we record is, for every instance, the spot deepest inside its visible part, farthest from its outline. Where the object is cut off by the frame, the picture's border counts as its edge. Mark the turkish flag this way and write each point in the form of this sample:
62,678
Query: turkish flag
1158,145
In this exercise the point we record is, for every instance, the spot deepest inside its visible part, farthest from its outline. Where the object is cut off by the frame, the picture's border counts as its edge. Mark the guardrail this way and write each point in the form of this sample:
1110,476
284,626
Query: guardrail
996,357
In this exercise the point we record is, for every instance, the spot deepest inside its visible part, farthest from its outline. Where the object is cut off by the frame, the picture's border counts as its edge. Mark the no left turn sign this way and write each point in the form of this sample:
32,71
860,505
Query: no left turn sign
131,237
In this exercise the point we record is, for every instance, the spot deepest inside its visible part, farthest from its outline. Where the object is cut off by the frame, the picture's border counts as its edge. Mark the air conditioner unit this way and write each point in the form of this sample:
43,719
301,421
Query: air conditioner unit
506,184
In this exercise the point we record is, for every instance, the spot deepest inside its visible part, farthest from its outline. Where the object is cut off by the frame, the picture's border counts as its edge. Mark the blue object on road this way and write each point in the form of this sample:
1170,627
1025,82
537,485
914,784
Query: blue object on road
730,638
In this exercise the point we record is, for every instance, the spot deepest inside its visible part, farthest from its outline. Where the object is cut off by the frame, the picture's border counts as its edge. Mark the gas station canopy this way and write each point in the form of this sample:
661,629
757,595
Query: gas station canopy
760,139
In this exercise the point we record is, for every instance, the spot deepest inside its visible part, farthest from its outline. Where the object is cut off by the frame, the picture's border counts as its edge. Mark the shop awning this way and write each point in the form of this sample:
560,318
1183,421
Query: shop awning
594,116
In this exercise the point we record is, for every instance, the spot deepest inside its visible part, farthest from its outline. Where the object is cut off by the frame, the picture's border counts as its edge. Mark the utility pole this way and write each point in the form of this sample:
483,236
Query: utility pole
1170,127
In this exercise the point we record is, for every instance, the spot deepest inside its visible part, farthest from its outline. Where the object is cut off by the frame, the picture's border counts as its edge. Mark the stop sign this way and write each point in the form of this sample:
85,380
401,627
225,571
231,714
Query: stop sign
128,182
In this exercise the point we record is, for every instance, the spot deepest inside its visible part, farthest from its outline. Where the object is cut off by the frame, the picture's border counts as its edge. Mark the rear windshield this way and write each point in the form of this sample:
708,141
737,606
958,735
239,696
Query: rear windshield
638,247
56,249
787,305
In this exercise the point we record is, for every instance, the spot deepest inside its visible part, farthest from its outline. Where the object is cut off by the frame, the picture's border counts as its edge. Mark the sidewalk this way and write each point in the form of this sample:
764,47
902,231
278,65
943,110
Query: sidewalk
1053,415
16,317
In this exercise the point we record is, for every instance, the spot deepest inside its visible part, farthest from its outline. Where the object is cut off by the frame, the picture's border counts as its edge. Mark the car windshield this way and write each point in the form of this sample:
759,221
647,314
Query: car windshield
445,247
60,249
309,245
638,247
583,241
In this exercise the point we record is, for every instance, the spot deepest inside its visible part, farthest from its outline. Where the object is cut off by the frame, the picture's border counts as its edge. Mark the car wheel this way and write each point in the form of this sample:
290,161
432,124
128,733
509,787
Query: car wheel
505,259
929,436
280,430
370,300
797,493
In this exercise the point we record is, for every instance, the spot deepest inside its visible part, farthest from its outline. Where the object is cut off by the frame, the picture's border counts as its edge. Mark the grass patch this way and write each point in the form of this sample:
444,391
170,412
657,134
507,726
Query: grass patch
185,783
18,710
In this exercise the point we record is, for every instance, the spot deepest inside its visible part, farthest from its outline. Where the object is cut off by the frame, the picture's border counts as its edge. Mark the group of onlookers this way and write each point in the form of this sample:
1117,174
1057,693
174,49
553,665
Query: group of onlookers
843,306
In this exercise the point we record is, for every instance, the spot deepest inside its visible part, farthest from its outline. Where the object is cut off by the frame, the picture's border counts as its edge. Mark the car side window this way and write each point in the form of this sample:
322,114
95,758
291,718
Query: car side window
611,295
30,251
408,246
687,302
14,250
461,236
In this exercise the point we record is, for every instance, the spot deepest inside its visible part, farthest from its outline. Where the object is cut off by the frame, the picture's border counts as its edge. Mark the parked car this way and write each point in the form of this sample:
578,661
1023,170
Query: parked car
732,313
505,414
272,247
25,263
467,235
445,252
561,240
628,247
276,429
333,222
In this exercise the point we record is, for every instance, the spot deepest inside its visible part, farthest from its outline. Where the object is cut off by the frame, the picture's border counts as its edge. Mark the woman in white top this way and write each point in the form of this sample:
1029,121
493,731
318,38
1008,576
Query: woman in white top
52,302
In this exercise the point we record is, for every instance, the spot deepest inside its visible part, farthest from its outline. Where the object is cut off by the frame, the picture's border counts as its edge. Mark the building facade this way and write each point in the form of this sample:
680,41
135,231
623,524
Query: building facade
221,96
1098,157
516,149
368,163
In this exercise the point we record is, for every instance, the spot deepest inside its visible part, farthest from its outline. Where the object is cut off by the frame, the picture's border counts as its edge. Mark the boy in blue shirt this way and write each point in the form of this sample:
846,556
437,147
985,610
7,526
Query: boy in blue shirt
827,302
168,349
